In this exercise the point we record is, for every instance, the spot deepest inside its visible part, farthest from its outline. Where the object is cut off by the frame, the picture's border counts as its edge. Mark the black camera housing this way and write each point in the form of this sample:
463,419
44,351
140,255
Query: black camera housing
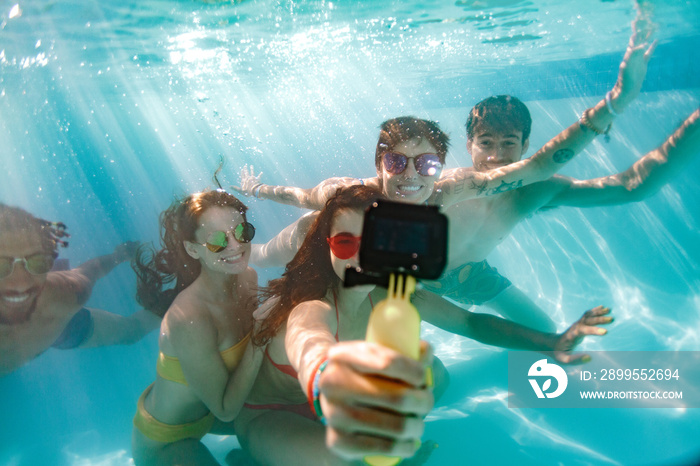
400,238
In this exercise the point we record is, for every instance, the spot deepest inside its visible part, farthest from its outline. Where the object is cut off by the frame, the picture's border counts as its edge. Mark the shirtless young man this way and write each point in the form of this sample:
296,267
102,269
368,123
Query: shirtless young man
497,137
461,190
40,308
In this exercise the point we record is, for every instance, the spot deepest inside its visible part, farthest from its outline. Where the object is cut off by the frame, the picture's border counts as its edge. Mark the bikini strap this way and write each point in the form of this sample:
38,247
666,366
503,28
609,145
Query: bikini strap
337,316
285,368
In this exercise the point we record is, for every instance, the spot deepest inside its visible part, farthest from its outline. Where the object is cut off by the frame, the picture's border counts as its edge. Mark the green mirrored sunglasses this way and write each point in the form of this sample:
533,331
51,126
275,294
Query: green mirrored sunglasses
36,264
218,240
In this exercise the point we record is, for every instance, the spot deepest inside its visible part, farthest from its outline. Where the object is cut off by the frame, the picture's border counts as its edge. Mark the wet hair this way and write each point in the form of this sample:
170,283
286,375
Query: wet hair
18,219
502,114
397,130
157,269
310,273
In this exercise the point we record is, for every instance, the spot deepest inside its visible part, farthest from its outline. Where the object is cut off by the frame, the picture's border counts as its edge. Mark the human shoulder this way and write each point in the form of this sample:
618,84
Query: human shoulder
250,278
67,288
187,319
373,182
320,304
311,310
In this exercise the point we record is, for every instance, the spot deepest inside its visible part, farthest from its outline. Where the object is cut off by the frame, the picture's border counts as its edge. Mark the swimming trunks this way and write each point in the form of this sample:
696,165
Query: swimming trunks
169,368
77,332
168,433
474,283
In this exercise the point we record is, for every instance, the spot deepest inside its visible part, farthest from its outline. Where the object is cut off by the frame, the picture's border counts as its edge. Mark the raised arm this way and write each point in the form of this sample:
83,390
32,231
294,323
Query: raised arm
78,282
464,183
314,198
495,331
96,268
643,179
308,338
281,249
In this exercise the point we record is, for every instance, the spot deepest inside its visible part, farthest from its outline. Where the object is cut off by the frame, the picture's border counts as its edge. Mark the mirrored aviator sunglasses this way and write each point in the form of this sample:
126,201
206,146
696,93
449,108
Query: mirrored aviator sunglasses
426,164
218,240
36,264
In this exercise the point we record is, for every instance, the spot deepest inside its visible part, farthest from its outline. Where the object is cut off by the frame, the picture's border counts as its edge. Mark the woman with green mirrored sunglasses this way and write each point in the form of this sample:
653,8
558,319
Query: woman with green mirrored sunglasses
205,334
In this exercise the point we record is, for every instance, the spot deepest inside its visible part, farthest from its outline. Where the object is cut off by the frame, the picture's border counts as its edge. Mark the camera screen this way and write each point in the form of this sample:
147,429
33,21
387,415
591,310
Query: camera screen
401,236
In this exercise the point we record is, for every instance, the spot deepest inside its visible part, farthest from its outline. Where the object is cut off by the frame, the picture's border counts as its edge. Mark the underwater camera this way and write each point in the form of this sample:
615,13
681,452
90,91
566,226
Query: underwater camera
400,238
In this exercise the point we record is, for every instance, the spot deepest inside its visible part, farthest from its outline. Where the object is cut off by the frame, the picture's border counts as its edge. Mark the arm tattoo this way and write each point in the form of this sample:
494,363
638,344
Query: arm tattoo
480,188
506,187
287,196
563,155
469,182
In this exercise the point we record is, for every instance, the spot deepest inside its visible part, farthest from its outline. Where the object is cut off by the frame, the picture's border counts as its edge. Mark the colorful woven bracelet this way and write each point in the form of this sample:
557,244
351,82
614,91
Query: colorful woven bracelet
314,392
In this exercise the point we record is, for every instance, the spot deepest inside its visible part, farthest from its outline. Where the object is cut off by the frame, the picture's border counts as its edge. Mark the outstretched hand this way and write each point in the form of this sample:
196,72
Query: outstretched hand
126,251
249,181
374,400
588,324
633,68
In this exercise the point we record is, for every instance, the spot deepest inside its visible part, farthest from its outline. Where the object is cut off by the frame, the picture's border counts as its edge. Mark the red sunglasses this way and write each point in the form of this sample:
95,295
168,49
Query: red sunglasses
344,245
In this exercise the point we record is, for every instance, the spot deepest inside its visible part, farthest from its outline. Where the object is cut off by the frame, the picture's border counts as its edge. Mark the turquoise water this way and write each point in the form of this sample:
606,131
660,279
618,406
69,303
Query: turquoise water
107,111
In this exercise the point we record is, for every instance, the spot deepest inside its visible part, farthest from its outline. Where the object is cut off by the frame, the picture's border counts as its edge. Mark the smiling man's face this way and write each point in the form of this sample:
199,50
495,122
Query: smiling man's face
20,290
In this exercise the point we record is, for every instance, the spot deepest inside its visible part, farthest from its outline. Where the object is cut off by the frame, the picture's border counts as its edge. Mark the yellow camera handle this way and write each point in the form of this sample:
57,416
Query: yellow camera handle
395,323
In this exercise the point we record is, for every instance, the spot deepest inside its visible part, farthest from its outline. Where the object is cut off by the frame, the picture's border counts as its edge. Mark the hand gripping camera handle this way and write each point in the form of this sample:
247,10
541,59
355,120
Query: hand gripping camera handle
395,323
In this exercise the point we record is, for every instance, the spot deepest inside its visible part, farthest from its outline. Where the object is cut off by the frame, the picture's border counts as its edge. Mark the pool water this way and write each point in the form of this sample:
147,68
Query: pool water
108,110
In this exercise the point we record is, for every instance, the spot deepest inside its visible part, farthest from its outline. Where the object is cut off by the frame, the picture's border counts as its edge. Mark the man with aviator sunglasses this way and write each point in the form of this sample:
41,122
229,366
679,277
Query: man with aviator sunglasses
473,197
41,308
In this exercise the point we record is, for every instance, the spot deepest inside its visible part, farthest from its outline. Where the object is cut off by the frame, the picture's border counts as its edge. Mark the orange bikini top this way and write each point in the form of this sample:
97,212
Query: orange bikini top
169,368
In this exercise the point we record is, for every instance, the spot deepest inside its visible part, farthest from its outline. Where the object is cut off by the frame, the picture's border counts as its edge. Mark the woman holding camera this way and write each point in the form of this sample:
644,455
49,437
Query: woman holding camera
318,369
374,399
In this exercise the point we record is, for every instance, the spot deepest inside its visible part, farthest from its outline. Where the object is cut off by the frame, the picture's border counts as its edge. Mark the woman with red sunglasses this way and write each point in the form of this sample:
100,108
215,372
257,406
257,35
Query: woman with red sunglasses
206,364
312,318
324,395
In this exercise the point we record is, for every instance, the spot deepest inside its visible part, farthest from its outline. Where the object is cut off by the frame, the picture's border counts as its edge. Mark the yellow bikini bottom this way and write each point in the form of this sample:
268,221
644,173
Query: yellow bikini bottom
160,432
